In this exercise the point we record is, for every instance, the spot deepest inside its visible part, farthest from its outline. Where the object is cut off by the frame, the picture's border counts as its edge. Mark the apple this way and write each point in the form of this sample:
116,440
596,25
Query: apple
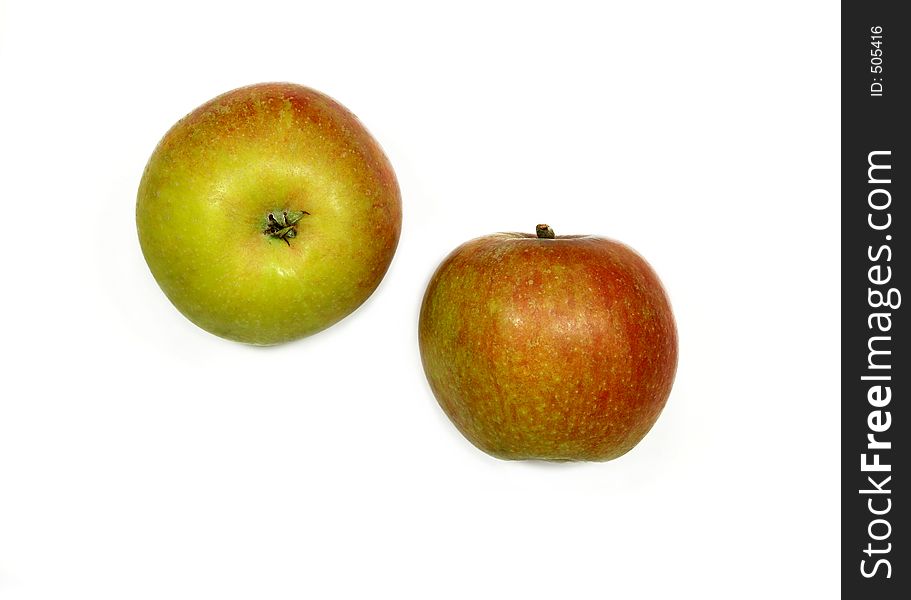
268,213
548,347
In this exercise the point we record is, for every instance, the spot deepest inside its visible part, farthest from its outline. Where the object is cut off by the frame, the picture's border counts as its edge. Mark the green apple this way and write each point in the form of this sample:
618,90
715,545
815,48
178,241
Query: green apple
268,213
548,347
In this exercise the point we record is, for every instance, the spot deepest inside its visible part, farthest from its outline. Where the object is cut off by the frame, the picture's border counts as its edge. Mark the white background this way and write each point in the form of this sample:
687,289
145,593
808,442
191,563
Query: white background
141,457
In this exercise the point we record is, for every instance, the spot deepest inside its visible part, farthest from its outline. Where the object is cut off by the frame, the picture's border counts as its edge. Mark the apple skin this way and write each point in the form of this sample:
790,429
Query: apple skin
559,349
206,193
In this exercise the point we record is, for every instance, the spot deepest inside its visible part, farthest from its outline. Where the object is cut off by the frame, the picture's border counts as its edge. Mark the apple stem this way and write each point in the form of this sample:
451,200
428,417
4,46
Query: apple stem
544,232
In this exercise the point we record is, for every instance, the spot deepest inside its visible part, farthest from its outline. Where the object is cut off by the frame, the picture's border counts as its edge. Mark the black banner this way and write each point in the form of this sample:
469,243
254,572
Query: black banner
876,372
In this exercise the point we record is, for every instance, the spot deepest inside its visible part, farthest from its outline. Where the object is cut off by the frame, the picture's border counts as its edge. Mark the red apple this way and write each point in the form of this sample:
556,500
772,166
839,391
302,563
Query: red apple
548,347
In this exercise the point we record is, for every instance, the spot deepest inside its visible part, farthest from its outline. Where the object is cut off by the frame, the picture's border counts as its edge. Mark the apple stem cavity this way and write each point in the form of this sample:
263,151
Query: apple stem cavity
284,226
544,232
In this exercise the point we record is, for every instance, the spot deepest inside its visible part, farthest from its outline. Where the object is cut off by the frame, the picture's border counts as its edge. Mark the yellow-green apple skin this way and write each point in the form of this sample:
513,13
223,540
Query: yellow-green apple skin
558,349
207,193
